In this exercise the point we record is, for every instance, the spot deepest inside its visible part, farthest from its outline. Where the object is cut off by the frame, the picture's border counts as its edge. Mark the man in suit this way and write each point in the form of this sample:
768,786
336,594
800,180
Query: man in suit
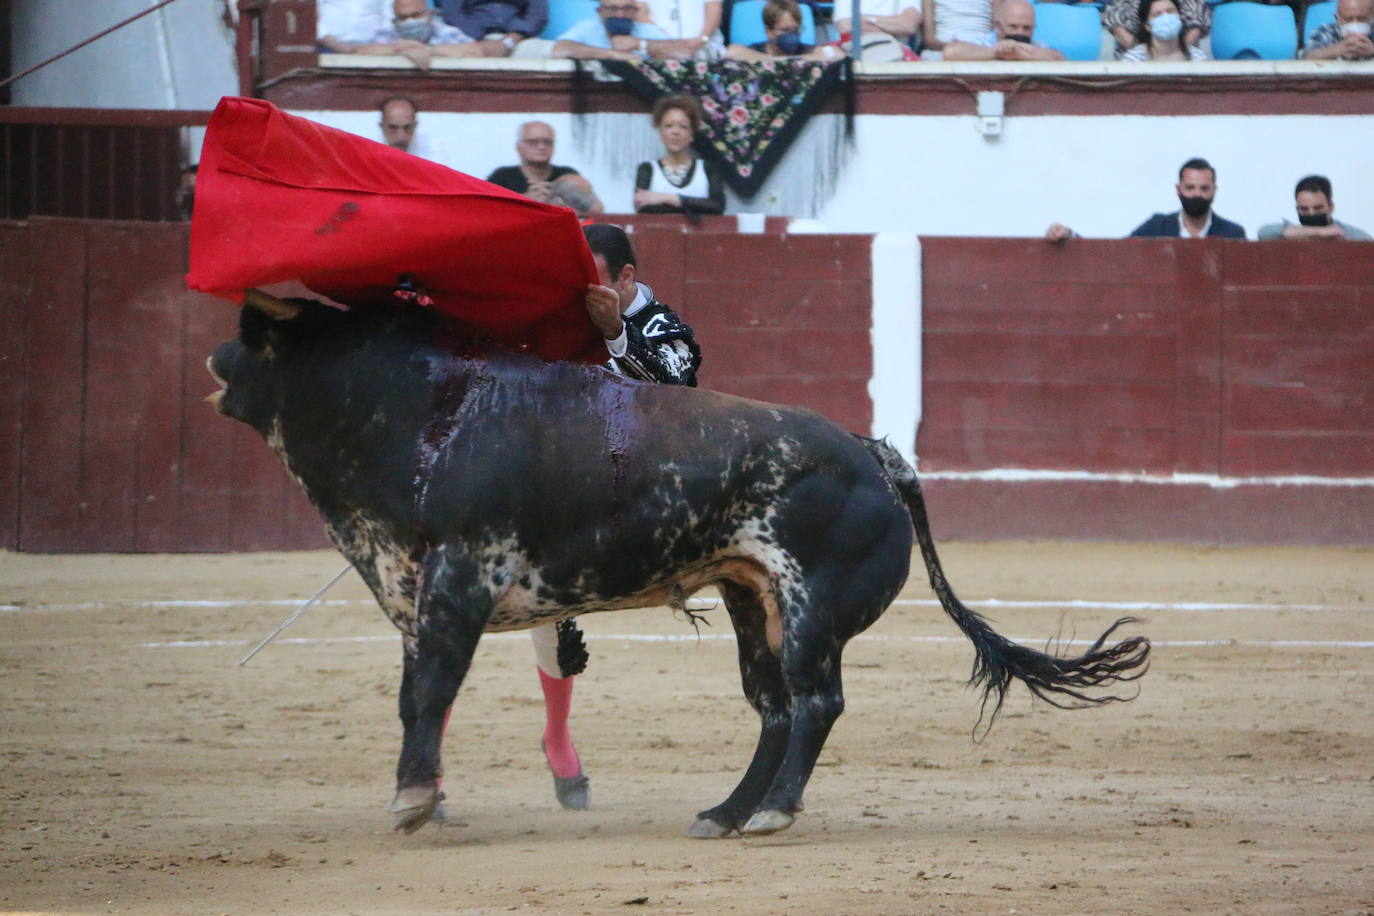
1197,188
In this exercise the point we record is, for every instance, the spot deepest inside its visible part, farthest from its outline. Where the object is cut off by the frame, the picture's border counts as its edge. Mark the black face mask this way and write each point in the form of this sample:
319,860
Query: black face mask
1195,206
1315,219
1024,39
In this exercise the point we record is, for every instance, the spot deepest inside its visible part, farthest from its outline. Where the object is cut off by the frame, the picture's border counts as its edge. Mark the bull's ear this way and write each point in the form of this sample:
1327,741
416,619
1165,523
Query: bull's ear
254,328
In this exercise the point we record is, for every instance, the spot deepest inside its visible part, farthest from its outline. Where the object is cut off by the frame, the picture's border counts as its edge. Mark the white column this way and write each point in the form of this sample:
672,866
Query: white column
895,387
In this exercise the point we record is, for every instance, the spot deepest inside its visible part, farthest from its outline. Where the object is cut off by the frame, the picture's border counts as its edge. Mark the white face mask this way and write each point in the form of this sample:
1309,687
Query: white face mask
1354,28
1166,26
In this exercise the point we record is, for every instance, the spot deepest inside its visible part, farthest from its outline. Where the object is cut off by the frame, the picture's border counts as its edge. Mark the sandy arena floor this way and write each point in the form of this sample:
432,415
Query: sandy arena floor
145,775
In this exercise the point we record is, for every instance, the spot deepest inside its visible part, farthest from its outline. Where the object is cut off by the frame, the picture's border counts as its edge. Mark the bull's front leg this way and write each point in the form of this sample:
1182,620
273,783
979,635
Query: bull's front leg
451,610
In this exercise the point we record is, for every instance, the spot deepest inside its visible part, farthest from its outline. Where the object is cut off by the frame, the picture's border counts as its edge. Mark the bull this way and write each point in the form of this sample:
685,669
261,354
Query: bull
486,491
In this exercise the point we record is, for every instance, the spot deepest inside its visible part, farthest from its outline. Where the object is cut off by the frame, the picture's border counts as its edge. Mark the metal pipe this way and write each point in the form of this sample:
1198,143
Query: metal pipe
79,45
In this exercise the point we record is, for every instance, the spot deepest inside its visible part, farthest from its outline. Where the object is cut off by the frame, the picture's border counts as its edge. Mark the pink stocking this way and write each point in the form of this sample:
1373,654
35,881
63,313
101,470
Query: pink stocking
558,745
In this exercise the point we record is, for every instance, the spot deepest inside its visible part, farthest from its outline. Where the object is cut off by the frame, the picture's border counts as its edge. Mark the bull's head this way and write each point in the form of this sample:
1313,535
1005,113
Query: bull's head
246,369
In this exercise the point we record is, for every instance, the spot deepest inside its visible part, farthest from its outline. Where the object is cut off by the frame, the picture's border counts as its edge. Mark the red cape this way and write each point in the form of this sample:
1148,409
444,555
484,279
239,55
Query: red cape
282,198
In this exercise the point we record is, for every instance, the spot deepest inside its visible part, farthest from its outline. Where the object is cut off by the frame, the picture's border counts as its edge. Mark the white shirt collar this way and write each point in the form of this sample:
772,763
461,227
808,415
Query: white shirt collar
642,298
1183,232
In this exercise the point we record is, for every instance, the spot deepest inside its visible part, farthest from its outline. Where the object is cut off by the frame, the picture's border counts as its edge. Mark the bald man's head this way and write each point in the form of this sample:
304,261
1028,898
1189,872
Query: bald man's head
1355,11
1016,20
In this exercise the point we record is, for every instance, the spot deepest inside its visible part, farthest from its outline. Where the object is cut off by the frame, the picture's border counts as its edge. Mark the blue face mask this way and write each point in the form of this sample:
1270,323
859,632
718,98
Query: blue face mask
788,43
1166,26
417,28
618,25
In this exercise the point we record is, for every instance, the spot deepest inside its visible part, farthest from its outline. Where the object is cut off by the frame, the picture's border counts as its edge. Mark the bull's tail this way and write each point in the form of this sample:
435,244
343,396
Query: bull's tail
1059,681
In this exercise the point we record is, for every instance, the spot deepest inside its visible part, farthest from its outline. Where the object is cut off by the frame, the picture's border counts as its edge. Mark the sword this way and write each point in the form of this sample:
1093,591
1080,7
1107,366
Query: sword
292,619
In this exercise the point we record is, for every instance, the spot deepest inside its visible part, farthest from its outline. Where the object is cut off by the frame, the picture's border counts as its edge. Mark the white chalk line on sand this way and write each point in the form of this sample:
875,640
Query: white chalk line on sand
707,604
868,637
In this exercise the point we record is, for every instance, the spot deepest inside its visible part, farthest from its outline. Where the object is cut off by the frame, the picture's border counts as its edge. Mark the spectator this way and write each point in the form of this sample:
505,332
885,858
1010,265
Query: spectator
615,35
1348,37
1123,19
782,31
955,20
400,123
1159,35
679,182
537,178
343,25
888,26
696,22
1197,188
501,24
1009,39
1313,199
416,35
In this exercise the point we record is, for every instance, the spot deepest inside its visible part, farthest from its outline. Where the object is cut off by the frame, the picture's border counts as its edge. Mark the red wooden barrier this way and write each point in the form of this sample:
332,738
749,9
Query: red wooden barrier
1222,358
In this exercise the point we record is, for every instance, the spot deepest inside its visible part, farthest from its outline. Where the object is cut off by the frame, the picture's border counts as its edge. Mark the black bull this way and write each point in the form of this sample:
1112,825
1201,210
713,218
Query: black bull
483,493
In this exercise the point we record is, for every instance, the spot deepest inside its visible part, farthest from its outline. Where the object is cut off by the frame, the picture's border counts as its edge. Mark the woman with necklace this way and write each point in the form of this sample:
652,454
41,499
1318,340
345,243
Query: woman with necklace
678,182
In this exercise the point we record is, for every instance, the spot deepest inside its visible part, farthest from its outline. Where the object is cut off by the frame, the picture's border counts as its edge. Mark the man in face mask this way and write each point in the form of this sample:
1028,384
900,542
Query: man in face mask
1197,187
1348,37
415,33
1010,38
616,34
1313,199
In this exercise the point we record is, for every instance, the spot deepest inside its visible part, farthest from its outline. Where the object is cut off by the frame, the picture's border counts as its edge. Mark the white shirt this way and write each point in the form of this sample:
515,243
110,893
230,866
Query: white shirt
962,20
699,186
679,18
844,9
352,20
1183,232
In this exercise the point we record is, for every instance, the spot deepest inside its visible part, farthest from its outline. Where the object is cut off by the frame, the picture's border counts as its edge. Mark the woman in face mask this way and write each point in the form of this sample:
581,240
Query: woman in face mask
678,182
1127,22
782,31
1160,34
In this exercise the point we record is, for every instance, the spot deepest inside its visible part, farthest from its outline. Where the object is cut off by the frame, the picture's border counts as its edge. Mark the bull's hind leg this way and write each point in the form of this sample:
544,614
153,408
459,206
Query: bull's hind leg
761,675
811,671
451,611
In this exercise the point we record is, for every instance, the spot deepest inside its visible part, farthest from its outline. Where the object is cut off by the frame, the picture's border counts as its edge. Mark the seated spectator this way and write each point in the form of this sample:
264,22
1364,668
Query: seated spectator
955,20
1348,37
400,123
539,179
1009,39
616,35
1123,19
696,22
887,29
1313,199
678,182
782,31
342,25
1197,189
415,34
1160,34
498,25
186,191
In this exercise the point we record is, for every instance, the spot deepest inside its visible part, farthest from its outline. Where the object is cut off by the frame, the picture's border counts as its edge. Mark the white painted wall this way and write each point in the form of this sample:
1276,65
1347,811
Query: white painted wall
938,176
181,56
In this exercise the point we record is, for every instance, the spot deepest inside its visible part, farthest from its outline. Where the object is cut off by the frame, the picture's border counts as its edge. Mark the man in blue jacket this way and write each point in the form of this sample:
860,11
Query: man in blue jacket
1197,188
498,25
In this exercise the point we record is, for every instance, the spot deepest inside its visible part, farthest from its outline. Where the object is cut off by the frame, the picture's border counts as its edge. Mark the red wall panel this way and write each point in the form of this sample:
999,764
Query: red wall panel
14,293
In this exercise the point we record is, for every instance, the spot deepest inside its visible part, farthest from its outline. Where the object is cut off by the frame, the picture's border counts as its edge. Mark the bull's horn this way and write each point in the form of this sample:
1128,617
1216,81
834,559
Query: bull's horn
269,305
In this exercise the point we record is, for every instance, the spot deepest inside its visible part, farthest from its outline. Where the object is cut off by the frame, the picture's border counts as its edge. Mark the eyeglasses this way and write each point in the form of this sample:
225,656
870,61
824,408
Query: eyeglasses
538,141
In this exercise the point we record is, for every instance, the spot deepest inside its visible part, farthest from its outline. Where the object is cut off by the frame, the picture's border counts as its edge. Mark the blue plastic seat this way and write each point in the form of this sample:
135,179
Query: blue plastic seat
746,23
564,14
1074,30
1243,30
1315,16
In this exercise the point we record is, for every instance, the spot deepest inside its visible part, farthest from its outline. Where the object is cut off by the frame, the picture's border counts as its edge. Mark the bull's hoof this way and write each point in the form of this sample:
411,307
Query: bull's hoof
707,829
413,807
766,822
573,793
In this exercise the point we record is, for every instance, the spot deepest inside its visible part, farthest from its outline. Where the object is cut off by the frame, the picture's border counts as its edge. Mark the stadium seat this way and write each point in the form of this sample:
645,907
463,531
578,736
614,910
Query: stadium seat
1074,30
1241,30
1315,16
564,14
746,23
